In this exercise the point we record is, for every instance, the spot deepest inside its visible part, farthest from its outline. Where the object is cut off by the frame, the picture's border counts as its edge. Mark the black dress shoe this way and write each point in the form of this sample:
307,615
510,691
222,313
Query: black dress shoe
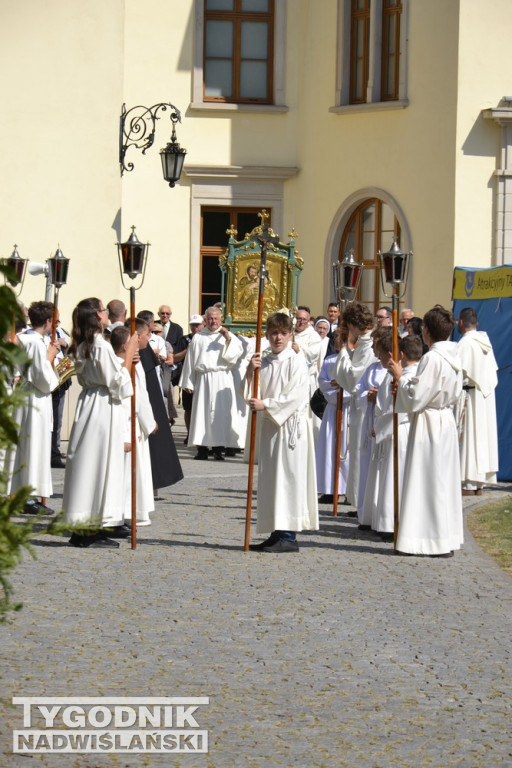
217,455
230,452
36,508
352,513
267,543
93,541
364,527
57,463
202,453
385,536
326,498
282,545
119,532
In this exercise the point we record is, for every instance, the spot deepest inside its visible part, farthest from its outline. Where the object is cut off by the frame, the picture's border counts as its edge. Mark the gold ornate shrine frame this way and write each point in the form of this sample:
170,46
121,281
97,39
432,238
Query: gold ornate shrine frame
240,265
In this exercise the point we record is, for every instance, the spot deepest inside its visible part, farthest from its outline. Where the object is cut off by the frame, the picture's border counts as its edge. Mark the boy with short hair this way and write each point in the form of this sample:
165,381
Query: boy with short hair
33,453
287,495
382,501
431,504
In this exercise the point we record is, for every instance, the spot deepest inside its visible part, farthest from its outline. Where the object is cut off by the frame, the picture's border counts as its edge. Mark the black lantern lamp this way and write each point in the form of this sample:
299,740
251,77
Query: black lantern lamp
172,156
132,263
57,276
58,269
137,129
132,258
346,277
394,268
17,267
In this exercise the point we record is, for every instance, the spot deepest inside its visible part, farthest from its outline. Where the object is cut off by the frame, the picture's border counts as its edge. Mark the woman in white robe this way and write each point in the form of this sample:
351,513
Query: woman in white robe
326,443
93,484
431,504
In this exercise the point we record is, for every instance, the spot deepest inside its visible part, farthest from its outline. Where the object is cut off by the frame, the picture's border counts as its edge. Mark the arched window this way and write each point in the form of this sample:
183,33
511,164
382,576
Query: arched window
369,230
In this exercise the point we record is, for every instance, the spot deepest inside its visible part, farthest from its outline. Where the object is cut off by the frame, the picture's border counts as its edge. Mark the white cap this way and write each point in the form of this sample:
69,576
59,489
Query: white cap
196,320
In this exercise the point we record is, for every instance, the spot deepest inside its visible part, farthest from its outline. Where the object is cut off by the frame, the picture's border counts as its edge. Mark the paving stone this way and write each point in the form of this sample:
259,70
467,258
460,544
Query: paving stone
340,655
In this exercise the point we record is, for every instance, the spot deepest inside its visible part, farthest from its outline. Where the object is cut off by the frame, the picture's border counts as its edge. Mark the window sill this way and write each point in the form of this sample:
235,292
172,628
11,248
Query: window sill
376,106
217,106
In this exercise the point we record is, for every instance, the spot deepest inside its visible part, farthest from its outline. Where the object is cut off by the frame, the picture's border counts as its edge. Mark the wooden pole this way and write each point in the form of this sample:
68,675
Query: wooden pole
337,452
396,492
133,429
55,318
255,383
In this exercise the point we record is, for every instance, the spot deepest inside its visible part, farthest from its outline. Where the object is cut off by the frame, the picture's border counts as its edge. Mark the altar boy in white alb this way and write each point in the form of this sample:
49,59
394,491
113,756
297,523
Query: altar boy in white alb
35,418
287,494
431,504
477,420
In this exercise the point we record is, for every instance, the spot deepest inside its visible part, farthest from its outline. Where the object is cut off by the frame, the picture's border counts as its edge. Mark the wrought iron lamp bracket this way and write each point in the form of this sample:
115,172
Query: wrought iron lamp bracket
137,128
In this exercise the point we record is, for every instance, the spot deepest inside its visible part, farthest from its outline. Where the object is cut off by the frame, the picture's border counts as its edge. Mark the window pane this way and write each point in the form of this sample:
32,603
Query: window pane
219,39
218,78
215,224
253,80
219,5
367,287
246,223
255,5
369,218
254,40
368,247
387,221
211,277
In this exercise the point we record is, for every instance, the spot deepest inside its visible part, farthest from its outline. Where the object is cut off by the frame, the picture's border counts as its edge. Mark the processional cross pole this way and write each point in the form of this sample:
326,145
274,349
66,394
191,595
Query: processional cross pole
394,270
264,237
346,277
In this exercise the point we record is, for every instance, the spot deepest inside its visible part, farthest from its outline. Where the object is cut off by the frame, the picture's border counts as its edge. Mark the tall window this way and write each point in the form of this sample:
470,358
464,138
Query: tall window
238,51
359,50
215,220
372,54
390,69
370,229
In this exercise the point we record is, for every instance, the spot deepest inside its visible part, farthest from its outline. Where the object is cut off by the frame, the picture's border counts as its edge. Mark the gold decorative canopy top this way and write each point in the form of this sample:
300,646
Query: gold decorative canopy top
232,232
293,234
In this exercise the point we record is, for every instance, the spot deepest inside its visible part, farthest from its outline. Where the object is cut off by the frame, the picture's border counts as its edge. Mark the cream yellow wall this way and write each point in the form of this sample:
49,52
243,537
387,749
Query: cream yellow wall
484,78
66,67
408,153
61,79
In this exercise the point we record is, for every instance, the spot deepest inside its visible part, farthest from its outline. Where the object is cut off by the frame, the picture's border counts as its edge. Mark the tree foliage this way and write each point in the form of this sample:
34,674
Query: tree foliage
14,536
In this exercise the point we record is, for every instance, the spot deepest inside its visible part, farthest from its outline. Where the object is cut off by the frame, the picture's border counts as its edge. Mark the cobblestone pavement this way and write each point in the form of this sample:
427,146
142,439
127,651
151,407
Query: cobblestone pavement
340,655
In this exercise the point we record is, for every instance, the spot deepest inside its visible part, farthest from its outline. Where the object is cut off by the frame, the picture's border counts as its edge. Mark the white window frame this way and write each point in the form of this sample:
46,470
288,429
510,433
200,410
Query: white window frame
502,116
342,103
232,186
279,67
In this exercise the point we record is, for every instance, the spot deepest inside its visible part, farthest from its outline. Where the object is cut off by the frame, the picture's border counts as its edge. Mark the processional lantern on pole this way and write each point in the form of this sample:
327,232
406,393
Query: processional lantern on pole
15,276
132,264
58,267
264,237
346,278
394,271
17,267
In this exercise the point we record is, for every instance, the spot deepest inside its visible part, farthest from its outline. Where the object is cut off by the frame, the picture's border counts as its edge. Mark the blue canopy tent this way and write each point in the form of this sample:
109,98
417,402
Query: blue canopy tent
489,293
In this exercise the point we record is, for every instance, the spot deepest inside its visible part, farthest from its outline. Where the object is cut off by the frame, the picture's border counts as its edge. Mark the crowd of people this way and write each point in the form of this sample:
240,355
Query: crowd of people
307,371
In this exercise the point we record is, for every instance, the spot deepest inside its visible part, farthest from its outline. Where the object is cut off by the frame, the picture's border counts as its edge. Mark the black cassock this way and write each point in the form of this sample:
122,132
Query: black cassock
165,464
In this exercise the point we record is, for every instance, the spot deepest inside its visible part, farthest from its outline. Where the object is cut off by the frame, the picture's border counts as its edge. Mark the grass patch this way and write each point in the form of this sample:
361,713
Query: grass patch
491,527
